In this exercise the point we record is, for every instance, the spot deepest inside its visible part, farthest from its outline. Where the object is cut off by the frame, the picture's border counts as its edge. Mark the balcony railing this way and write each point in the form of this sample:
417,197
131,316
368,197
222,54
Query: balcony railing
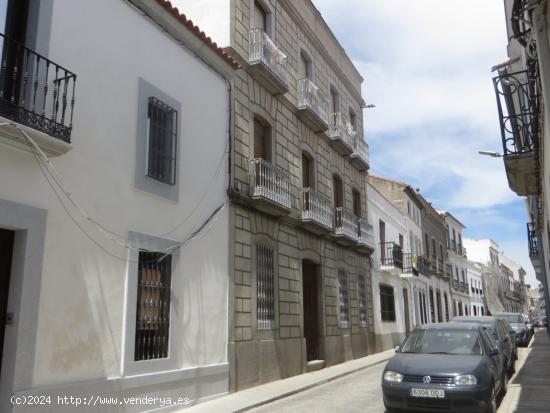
410,263
345,223
262,50
316,207
269,182
365,233
341,134
312,105
453,245
424,266
533,241
517,103
449,271
462,251
36,92
391,255
360,155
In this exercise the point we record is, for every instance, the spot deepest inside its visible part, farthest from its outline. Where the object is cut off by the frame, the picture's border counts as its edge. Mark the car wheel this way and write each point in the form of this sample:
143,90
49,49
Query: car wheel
492,408
504,385
512,368
389,409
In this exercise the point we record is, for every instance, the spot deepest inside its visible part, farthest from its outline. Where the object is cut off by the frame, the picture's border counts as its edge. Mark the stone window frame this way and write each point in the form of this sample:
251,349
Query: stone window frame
258,112
302,51
363,321
269,16
142,181
305,149
272,333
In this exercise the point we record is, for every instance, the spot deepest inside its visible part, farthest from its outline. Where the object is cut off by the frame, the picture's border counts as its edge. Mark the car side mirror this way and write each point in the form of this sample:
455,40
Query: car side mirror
397,349
494,352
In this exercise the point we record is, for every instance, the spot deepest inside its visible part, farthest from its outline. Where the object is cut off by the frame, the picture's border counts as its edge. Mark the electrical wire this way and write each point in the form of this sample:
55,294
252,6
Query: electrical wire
52,178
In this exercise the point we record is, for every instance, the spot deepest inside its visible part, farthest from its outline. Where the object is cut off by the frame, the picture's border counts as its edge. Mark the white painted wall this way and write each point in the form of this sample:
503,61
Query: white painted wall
381,209
109,45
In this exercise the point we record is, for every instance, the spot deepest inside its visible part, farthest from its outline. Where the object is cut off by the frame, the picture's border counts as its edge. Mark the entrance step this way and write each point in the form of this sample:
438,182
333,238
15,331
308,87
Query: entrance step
315,365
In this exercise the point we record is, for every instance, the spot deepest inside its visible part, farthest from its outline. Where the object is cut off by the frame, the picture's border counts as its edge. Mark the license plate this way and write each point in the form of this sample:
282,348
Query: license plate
430,393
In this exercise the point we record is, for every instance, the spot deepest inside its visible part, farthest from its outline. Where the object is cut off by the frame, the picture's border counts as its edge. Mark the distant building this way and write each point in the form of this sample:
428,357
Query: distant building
475,288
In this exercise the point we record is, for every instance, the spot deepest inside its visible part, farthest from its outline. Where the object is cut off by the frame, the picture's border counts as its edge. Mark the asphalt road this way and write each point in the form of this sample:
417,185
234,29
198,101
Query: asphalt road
358,392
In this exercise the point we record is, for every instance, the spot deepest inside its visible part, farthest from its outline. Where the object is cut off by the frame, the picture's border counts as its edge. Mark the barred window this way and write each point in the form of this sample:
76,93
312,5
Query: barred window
343,295
362,299
446,307
387,303
265,274
161,141
153,306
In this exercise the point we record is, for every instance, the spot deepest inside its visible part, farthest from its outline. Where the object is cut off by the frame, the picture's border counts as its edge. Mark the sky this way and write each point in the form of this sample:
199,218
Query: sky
426,66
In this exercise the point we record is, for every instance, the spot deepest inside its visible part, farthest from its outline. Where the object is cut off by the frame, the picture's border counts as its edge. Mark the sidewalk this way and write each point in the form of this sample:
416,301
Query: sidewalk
529,391
256,396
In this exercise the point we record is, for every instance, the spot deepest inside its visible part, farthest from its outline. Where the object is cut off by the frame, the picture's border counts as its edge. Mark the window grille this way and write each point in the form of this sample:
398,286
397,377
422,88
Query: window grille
446,307
153,305
387,303
343,293
362,300
265,270
162,141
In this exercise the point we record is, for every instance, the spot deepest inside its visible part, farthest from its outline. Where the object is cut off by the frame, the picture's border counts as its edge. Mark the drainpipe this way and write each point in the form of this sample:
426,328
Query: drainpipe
543,49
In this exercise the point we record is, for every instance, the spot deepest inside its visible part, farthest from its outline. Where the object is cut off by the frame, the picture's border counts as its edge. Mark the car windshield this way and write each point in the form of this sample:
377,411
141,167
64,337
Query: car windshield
457,342
511,318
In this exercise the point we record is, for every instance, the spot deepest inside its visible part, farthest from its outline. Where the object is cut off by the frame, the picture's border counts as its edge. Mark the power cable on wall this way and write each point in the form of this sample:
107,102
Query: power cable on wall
56,184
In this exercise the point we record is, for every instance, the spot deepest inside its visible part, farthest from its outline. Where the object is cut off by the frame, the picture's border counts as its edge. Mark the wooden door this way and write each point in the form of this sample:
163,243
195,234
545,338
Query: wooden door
6,252
311,308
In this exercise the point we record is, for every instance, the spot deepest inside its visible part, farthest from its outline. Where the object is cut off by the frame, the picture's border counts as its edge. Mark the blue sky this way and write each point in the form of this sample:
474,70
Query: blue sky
427,68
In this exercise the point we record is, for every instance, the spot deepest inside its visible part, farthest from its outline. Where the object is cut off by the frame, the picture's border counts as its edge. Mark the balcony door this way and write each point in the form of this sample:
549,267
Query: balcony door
304,67
307,171
13,25
262,140
259,17
382,232
407,314
338,191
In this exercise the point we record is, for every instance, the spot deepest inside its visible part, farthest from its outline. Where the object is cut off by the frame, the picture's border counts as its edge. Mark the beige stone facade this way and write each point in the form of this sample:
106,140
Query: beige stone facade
262,355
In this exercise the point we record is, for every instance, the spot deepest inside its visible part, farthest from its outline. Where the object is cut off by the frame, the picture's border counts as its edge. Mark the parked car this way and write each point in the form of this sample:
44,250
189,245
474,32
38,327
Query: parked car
517,322
455,367
541,321
501,332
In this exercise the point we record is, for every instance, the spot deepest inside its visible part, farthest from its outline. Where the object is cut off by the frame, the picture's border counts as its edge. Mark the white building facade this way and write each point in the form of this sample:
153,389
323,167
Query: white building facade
457,265
475,286
115,223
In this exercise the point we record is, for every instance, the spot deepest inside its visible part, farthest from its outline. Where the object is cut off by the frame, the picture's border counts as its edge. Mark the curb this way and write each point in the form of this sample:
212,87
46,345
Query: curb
309,386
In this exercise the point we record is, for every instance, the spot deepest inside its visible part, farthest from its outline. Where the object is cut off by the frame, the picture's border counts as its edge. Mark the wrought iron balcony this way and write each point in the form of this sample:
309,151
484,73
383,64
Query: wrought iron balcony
391,255
360,155
462,251
453,245
345,224
424,266
312,105
36,92
518,109
267,63
341,134
270,185
410,263
316,210
533,240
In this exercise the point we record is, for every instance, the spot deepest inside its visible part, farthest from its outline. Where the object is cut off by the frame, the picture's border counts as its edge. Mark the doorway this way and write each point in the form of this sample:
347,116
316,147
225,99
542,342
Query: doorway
311,308
6,252
406,308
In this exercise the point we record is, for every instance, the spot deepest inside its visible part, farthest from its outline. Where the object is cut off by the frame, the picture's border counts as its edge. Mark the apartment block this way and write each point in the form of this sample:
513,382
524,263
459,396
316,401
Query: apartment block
300,295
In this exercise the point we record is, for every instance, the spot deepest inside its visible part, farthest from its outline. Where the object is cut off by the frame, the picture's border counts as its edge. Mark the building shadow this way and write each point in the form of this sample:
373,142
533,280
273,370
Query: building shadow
529,390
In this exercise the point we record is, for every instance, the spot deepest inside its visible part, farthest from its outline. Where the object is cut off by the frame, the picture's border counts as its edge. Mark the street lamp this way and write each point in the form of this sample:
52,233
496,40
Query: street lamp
490,153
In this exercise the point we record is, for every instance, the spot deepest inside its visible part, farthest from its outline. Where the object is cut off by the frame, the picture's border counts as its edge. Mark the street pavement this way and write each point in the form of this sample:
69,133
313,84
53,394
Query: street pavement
529,389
